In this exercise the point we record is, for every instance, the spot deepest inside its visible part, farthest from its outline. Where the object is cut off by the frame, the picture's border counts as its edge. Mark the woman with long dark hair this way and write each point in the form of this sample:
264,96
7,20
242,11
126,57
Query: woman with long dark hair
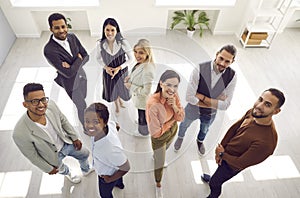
115,55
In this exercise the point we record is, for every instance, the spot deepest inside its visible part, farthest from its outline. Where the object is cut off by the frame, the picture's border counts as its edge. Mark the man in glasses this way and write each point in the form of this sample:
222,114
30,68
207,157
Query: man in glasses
45,136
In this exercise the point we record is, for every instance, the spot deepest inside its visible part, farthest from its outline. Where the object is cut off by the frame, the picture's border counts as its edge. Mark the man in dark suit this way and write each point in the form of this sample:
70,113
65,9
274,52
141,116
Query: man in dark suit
65,52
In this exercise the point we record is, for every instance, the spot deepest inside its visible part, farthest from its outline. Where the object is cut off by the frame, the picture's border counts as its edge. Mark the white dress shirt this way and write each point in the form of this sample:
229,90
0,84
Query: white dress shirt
130,60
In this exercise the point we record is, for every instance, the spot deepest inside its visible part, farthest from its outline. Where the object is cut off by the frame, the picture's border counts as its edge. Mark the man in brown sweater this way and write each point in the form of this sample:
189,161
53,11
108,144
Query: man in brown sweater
248,142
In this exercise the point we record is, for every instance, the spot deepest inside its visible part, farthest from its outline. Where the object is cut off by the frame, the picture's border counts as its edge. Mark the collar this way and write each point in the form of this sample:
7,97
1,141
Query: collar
159,98
59,41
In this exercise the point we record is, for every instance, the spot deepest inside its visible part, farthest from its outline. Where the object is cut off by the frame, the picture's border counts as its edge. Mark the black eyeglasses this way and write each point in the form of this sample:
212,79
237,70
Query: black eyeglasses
36,102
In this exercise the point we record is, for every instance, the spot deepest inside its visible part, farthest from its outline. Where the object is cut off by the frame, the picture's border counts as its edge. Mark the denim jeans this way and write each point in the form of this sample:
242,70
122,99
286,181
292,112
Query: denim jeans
106,189
69,150
191,114
222,174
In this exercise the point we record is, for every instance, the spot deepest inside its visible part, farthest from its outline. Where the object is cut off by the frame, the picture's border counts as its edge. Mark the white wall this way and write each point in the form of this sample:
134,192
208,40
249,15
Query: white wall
143,15
7,37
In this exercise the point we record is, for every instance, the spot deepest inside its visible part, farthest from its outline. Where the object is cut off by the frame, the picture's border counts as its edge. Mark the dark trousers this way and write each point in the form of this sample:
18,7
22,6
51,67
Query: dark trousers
78,97
142,128
222,174
106,189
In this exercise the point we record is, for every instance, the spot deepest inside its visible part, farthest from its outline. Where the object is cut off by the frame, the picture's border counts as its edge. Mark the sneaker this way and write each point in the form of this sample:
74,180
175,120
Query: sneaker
177,144
201,148
205,178
158,192
75,179
88,172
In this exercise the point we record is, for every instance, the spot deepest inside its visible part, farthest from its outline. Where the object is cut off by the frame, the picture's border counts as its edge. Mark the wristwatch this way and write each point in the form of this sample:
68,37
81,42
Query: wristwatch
221,154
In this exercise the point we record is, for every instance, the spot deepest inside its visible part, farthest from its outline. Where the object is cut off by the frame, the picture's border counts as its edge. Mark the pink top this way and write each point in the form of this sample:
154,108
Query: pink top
161,116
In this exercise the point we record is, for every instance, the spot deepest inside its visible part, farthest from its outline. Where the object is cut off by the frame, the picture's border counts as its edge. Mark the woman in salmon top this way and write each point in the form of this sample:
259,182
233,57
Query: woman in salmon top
163,111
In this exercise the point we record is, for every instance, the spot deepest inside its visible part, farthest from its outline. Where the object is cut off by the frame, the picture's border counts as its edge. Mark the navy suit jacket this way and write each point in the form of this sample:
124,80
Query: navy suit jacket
68,78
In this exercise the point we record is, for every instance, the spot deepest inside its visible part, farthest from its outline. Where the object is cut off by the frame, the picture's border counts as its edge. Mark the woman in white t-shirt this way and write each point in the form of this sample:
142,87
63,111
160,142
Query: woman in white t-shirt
109,159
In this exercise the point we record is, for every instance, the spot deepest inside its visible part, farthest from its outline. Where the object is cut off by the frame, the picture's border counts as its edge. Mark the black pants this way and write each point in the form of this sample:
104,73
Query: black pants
78,96
142,128
222,174
106,189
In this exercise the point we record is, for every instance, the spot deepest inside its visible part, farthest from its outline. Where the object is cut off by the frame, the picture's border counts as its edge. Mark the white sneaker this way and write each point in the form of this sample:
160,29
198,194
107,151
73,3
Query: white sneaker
75,179
88,172
158,192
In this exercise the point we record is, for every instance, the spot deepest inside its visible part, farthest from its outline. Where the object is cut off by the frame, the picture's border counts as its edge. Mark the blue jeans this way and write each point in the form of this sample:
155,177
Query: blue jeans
222,174
106,189
191,114
69,150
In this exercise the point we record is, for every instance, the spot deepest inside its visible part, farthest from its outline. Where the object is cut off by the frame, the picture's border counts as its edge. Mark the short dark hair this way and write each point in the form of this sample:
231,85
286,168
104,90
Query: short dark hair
100,109
229,48
55,17
278,94
165,76
30,87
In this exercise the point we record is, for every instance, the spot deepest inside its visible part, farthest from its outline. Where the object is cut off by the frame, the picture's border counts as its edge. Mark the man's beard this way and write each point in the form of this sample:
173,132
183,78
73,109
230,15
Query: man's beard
259,116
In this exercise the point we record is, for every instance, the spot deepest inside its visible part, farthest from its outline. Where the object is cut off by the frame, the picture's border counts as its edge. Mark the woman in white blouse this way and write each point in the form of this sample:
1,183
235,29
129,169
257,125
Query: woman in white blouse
114,55
139,82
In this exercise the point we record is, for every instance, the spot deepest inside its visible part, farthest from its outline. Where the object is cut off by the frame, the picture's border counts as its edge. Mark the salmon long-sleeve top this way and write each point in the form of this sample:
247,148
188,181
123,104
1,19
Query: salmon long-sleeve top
160,116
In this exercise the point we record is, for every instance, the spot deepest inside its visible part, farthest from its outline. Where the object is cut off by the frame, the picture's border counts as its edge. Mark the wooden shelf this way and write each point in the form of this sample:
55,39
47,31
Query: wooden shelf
264,20
264,43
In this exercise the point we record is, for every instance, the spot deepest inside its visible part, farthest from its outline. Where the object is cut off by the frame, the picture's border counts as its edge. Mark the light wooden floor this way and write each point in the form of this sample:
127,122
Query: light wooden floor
257,69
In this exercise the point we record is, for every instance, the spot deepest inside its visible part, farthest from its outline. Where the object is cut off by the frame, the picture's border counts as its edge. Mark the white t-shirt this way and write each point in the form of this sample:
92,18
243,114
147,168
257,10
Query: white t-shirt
50,131
108,152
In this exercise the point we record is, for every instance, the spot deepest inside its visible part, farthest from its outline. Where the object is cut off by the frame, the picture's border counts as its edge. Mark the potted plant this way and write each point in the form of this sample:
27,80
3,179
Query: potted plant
191,18
69,23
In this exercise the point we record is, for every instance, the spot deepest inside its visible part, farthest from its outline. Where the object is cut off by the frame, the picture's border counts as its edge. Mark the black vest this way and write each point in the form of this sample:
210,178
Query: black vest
204,85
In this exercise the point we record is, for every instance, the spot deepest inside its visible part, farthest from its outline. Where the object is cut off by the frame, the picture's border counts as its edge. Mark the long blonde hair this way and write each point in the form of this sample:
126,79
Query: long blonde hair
144,44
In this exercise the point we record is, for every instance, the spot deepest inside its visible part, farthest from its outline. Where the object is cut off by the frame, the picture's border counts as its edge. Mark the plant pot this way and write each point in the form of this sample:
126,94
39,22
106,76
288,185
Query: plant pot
190,33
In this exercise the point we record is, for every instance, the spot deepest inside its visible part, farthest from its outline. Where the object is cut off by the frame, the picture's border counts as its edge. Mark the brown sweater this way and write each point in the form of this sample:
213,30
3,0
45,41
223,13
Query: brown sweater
247,143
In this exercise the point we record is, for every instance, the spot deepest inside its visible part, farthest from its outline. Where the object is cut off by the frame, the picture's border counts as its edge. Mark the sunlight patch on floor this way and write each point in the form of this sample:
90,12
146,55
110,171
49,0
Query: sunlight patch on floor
275,167
15,184
197,171
14,109
47,187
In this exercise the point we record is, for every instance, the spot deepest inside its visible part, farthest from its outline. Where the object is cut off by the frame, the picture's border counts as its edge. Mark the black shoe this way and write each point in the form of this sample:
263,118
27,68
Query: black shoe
201,148
121,186
205,178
